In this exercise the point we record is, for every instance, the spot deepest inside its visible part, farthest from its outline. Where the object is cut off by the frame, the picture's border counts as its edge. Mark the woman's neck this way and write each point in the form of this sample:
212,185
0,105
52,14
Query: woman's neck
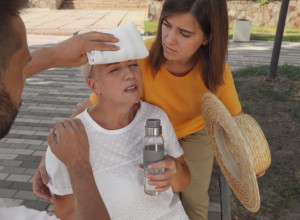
179,68
113,117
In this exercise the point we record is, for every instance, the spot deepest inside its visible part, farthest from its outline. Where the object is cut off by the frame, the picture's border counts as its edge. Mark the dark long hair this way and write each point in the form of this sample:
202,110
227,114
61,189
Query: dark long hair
212,17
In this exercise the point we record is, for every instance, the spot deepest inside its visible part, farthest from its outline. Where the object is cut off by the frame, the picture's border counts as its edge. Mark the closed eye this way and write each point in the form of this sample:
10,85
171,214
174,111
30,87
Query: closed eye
114,70
185,34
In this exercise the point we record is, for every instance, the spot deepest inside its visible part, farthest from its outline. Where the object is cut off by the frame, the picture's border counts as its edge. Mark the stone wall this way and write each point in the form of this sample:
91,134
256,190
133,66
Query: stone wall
266,15
38,3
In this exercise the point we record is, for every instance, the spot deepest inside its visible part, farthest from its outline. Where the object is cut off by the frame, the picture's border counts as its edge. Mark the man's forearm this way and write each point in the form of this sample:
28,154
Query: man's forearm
87,200
42,59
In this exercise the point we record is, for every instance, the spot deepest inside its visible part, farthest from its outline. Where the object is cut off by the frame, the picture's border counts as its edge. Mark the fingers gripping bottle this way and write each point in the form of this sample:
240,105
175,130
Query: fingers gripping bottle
153,151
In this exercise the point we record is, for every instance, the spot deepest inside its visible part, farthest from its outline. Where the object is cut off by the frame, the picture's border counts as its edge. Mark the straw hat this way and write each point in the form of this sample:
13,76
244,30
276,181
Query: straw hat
240,148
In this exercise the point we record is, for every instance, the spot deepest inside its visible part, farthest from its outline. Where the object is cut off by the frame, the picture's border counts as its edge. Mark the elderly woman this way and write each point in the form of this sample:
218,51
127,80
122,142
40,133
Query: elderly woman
115,129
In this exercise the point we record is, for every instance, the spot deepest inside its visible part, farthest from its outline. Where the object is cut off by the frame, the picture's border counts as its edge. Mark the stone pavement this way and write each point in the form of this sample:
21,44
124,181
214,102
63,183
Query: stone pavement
54,94
66,22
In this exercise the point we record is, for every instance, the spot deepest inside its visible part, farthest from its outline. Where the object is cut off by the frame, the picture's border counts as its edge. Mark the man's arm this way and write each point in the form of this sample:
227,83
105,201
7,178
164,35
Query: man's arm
40,178
69,53
72,148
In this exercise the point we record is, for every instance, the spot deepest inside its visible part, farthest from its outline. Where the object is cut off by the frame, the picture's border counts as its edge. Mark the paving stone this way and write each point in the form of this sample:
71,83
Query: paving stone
1,167
12,202
29,171
19,146
34,137
40,133
29,164
5,184
13,136
38,153
15,141
38,205
8,156
33,142
7,193
42,147
4,145
21,186
6,151
23,194
10,163
3,176
13,170
18,178
28,158
23,151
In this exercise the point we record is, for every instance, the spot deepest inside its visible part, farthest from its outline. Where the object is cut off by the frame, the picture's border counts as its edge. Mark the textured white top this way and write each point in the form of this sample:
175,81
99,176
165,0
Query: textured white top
114,156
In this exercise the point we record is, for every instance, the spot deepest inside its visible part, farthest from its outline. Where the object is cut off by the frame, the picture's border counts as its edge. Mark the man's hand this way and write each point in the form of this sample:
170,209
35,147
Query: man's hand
69,53
72,52
72,147
39,181
69,142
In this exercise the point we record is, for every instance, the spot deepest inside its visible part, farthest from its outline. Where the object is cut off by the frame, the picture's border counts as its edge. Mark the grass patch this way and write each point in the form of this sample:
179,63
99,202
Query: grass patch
253,71
150,27
269,92
292,72
269,33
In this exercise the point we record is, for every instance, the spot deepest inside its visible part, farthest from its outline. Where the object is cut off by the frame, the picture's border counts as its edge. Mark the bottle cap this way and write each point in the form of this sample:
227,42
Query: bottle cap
153,123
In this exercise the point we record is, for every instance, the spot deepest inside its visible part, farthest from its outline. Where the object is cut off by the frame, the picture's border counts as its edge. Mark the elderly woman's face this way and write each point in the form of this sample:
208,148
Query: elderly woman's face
119,83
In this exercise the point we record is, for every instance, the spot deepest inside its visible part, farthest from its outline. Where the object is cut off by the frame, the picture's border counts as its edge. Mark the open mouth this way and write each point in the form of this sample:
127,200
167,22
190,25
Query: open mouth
131,89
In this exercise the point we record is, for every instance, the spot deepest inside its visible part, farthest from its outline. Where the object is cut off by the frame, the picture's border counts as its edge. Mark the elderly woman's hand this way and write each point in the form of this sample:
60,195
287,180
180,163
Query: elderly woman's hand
176,174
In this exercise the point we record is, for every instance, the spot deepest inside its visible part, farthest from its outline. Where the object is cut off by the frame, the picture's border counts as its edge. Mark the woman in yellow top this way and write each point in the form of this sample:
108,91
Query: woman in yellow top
187,59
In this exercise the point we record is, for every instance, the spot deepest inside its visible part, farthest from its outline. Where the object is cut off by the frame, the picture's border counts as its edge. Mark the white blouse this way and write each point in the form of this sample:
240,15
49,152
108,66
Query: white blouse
114,156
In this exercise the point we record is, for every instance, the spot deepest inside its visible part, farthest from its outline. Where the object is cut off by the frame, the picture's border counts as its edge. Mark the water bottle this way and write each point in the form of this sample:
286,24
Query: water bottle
153,151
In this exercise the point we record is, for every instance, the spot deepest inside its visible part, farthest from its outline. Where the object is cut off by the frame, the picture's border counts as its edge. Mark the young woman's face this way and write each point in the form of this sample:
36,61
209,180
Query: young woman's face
181,37
119,83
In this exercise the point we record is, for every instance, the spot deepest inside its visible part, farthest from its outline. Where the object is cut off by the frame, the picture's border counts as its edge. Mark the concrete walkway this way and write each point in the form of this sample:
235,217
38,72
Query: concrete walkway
54,94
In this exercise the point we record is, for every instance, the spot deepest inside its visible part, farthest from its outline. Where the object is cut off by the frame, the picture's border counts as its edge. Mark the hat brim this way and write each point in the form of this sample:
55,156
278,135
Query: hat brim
231,151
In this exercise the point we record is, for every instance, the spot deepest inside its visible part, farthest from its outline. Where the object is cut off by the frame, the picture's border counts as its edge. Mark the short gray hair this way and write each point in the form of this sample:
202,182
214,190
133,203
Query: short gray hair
87,70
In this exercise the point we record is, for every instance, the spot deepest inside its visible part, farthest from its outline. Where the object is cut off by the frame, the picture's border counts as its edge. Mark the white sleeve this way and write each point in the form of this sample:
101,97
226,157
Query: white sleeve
59,180
23,213
172,145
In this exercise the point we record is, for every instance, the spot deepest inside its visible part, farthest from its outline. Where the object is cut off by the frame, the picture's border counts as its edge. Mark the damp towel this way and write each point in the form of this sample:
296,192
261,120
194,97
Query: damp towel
131,45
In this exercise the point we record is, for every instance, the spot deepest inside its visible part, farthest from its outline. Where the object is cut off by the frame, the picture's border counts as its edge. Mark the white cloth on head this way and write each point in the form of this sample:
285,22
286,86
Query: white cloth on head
132,46
115,156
